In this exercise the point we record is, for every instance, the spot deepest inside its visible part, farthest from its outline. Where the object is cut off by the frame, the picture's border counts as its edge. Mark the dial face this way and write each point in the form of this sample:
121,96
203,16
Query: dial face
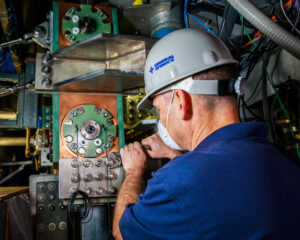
89,131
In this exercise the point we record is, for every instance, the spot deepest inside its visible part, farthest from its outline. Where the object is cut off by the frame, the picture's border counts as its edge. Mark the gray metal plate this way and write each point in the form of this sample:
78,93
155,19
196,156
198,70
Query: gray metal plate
66,171
105,63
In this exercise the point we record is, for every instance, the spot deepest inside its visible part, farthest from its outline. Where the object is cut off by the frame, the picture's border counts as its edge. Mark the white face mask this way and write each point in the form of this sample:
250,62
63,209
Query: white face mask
163,132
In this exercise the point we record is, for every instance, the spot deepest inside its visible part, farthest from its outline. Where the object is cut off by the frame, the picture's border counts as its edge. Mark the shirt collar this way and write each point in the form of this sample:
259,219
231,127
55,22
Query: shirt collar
235,131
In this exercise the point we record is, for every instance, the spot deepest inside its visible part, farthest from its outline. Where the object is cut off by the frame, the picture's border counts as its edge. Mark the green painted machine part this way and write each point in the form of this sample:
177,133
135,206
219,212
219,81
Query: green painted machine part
81,23
89,131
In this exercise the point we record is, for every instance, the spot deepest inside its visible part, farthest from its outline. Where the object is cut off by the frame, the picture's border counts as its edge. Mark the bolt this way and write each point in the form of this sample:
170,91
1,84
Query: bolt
130,101
97,110
41,197
87,163
46,70
41,186
80,110
51,186
140,116
46,58
46,82
72,38
87,178
130,116
74,146
111,176
69,139
111,190
67,32
75,164
109,162
100,191
130,108
52,227
99,177
106,145
74,114
109,122
62,225
75,177
69,122
39,31
105,114
88,191
67,18
100,14
110,138
72,11
81,151
99,150
99,162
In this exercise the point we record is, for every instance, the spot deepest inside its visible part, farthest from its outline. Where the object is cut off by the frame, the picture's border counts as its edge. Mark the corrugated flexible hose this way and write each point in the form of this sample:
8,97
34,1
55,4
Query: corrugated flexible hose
271,29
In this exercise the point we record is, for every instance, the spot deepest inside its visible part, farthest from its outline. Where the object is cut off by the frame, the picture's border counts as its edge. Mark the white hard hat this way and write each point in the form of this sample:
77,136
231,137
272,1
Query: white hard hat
179,55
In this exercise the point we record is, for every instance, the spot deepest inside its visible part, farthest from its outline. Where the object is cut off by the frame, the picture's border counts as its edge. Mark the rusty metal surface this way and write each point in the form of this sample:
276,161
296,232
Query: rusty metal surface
68,101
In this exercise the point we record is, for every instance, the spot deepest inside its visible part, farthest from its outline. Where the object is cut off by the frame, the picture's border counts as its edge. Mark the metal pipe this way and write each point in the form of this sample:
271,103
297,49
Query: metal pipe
274,31
3,180
12,141
9,164
8,115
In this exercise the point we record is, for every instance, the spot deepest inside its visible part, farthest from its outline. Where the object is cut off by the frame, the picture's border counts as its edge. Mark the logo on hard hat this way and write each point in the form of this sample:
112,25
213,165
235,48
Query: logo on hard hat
161,63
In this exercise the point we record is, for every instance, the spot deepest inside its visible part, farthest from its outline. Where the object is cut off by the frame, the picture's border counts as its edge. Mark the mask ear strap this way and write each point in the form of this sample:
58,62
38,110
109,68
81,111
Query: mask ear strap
169,107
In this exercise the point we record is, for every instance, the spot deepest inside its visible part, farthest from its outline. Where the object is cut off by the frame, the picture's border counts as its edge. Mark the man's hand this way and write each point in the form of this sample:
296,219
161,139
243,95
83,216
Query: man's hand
158,148
133,158
134,163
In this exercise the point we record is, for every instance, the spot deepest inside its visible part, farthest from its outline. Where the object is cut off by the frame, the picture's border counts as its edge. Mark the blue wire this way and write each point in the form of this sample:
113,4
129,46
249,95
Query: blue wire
223,4
185,13
201,23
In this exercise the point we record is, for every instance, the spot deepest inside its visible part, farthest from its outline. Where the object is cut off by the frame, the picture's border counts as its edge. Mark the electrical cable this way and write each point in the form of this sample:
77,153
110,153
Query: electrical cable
277,96
287,18
216,2
201,23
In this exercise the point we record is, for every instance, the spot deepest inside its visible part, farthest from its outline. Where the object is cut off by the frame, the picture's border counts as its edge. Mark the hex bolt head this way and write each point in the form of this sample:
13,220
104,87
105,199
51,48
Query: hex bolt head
72,38
100,14
87,178
105,114
75,164
46,82
67,32
99,177
69,139
111,190
74,114
97,110
75,177
99,162
81,151
80,110
46,70
99,150
87,163
100,191
106,145
69,122
39,31
110,138
74,146
109,122
88,191
46,58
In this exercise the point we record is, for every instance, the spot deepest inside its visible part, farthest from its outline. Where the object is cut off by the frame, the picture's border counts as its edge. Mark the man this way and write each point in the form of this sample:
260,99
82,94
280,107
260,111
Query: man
232,184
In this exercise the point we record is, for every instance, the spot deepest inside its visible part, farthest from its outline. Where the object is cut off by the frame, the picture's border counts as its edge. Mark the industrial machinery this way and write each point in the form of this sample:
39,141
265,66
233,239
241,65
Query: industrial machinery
72,78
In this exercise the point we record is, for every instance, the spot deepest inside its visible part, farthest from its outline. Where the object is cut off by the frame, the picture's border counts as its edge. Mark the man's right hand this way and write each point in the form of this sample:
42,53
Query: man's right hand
158,148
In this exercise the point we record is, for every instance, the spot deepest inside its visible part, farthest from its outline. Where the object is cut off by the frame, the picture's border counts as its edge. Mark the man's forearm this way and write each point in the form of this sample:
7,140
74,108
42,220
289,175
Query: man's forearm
129,192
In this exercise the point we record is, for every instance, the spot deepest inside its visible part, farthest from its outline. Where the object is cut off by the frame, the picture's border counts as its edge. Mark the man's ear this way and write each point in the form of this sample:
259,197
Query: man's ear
183,102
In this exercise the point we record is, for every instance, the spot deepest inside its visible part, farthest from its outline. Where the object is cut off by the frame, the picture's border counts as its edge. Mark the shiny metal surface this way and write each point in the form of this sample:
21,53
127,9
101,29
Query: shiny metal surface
90,176
104,63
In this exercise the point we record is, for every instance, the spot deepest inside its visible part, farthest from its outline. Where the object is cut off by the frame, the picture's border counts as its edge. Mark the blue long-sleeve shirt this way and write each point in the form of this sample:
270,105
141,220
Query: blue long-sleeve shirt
234,185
